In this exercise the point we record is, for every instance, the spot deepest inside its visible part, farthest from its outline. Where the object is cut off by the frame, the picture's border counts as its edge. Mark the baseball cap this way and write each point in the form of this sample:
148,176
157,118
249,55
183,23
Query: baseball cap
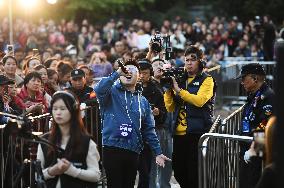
76,73
252,68
4,80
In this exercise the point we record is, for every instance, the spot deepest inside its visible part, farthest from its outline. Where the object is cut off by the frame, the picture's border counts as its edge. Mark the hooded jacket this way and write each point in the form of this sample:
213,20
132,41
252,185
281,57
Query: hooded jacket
120,107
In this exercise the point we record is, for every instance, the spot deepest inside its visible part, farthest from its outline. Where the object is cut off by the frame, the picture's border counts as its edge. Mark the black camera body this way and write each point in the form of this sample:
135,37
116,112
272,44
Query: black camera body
157,42
177,73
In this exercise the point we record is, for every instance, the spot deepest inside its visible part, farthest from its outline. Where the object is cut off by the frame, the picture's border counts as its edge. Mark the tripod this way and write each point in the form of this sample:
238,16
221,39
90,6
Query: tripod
36,179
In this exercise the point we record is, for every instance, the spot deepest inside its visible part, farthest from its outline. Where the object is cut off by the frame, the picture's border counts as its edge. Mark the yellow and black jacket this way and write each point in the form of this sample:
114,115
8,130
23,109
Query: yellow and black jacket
193,105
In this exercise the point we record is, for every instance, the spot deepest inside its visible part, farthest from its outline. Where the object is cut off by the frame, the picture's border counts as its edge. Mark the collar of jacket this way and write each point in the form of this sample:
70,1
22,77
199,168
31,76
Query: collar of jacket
262,90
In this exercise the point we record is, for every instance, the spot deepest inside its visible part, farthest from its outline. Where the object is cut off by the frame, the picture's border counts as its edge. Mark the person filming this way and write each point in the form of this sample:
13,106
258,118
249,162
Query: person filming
192,102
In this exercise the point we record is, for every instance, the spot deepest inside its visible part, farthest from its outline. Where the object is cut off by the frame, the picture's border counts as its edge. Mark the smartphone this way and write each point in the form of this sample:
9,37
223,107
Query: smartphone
10,49
35,52
6,92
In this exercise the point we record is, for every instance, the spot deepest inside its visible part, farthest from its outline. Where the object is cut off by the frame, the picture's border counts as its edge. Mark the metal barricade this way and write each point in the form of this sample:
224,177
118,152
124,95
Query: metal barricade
218,159
92,121
232,124
219,153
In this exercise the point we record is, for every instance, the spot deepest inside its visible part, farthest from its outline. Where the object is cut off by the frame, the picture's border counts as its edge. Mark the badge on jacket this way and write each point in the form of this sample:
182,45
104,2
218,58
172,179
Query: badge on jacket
196,83
124,131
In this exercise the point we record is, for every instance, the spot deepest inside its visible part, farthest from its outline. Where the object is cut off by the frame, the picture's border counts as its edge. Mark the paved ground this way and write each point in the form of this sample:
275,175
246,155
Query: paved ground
174,183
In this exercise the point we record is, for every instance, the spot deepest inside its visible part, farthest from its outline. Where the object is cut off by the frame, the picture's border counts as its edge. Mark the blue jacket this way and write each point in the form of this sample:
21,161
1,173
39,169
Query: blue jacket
119,107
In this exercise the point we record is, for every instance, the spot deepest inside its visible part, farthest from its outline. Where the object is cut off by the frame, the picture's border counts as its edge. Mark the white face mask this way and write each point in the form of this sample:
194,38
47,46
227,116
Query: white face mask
131,78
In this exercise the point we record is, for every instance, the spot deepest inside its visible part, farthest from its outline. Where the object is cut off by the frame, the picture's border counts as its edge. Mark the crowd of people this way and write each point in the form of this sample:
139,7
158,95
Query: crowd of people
146,122
218,38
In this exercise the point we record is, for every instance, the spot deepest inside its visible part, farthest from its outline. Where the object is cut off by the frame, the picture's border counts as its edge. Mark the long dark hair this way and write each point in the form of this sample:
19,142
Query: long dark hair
77,129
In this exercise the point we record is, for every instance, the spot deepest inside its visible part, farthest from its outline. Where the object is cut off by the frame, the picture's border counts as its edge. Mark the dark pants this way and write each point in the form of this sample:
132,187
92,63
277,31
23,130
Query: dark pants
144,167
120,166
249,172
185,160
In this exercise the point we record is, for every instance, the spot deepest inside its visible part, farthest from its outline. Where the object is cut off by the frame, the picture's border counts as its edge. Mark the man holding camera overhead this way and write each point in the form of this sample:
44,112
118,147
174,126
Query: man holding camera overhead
192,101
155,97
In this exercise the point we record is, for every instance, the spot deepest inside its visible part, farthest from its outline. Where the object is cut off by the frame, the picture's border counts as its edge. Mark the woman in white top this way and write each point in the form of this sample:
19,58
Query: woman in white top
78,165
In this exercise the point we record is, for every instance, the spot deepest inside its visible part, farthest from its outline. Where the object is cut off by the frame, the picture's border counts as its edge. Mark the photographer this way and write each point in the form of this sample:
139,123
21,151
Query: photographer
192,102
155,97
161,177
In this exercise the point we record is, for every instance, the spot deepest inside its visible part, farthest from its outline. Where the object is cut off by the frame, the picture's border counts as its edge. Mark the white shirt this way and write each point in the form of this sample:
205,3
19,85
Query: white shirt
91,174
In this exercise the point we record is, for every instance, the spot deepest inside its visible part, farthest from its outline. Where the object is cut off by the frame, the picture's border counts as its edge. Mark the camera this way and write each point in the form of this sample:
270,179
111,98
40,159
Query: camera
157,44
177,73
10,48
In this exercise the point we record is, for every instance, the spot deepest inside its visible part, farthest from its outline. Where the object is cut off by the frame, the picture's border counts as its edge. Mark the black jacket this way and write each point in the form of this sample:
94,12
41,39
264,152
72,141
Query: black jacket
86,95
261,108
155,97
78,160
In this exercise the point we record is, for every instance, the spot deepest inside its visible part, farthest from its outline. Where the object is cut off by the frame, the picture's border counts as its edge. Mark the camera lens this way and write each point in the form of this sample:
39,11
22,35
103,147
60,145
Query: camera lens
156,47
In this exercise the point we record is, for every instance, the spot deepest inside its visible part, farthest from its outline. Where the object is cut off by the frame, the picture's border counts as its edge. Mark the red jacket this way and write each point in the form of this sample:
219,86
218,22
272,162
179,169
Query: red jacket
23,100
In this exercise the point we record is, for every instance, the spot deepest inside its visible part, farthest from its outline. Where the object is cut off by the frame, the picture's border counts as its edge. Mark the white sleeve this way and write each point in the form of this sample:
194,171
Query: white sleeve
40,157
92,173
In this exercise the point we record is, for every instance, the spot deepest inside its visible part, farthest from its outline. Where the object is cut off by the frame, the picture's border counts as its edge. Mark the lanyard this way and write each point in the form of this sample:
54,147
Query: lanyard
252,105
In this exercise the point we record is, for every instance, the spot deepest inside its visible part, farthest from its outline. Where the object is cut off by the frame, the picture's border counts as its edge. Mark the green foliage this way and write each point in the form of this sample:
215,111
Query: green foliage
107,5
158,10
246,9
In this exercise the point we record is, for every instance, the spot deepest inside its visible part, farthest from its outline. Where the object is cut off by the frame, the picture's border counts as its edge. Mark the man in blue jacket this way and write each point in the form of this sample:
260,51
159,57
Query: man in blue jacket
127,120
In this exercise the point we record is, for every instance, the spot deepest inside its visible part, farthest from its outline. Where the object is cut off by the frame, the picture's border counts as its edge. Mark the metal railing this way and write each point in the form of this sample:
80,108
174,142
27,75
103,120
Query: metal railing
232,124
218,157
218,153
41,124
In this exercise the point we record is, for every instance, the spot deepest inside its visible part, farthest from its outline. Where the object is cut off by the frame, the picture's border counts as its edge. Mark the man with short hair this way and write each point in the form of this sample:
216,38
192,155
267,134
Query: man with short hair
257,111
192,101
127,120
161,177
155,97
79,87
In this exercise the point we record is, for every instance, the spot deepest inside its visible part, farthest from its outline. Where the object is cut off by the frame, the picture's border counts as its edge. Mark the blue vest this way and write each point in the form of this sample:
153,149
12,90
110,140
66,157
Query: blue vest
199,119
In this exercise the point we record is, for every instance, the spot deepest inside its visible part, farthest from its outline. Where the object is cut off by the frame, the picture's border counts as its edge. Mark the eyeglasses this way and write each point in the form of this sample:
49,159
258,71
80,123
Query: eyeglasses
192,57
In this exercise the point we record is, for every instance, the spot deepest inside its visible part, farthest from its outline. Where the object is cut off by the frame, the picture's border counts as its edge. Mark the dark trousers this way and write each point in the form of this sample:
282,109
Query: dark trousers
249,172
144,167
120,166
185,160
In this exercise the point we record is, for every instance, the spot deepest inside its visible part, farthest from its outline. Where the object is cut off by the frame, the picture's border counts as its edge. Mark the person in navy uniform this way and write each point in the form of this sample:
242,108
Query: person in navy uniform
257,110
79,87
